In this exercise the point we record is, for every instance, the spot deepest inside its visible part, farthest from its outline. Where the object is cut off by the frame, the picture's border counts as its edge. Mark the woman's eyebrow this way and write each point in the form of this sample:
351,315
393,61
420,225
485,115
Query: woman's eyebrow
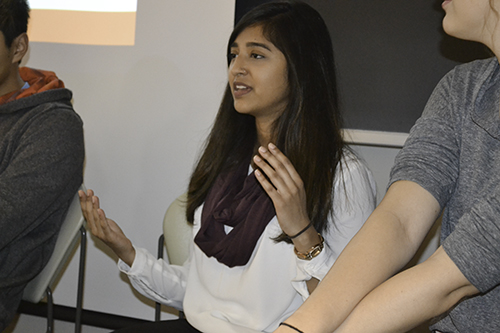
253,44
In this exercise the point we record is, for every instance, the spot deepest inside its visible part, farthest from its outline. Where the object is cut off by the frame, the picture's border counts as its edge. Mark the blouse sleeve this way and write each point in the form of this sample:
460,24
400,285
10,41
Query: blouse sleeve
156,279
354,201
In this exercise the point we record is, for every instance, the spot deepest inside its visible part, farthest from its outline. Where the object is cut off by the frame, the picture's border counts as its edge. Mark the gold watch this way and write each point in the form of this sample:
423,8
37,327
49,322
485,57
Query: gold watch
313,252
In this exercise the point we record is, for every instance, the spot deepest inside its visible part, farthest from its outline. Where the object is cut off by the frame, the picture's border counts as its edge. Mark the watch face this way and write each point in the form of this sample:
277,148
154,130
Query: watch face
315,252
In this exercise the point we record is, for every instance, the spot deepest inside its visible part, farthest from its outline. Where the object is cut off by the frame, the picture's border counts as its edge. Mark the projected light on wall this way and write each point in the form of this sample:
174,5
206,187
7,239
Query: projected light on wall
90,22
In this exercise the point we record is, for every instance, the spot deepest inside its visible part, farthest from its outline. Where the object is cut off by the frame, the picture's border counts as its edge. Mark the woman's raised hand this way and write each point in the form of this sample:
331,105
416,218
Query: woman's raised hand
105,229
285,187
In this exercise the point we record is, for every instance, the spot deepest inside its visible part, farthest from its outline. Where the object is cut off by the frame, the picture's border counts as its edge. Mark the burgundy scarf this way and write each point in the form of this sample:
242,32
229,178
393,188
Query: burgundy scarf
236,199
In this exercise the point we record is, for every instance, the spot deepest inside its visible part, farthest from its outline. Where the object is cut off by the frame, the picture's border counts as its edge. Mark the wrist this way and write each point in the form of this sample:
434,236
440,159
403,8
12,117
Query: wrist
309,225
305,241
313,251
294,228
127,254
291,327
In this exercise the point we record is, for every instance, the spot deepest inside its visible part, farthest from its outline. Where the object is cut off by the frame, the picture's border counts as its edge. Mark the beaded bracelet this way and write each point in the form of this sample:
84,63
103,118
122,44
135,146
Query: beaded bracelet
301,231
292,327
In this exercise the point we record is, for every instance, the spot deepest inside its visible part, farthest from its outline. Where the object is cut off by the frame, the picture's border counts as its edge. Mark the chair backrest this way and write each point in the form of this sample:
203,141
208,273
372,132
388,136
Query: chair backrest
66,240
177,231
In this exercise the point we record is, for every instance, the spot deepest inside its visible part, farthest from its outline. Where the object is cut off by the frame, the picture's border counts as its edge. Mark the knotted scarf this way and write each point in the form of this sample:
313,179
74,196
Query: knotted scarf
236,199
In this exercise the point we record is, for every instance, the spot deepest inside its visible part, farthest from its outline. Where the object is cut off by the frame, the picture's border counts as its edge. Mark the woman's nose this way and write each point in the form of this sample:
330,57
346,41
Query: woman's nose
238,67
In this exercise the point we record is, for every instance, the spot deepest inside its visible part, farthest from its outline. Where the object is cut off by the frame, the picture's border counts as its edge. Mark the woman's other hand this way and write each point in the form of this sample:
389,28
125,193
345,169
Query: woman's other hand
106,229
286,189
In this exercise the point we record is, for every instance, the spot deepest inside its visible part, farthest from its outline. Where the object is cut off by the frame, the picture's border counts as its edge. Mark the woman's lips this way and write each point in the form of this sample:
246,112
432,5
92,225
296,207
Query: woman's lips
240,89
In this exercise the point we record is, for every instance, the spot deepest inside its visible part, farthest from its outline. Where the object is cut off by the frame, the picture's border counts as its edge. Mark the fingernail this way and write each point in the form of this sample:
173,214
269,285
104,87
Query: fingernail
262,149
256,158
271,146
80,194
257,173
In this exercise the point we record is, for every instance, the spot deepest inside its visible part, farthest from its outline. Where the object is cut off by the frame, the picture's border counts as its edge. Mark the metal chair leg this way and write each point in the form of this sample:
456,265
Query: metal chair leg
161,242
81,272
50,311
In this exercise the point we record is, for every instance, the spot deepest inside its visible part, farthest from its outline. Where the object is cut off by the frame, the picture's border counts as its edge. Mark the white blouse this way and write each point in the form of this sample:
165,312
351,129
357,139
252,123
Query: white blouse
272,285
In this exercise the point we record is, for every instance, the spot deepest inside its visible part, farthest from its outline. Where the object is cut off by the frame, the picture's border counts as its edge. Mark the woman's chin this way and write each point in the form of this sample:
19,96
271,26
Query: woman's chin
243,110
450,28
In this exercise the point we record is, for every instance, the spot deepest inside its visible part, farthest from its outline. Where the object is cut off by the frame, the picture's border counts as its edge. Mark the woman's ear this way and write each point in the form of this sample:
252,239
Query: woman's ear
19,47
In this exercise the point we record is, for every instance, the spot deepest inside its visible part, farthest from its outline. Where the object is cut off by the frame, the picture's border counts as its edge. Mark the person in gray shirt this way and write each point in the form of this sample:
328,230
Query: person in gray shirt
450,163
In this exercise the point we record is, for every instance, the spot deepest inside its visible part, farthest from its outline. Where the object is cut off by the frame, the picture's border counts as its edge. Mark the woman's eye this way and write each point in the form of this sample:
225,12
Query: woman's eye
257,56
231,56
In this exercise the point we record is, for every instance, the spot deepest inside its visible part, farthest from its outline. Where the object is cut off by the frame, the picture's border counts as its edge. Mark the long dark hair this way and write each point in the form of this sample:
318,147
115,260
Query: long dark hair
308,131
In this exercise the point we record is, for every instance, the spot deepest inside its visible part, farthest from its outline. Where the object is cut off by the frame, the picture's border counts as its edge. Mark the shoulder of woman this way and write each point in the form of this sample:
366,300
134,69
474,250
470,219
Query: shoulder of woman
474,71
353,171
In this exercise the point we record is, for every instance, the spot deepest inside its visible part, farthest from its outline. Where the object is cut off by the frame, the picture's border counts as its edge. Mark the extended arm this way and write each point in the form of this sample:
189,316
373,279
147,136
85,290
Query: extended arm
411,297
153,278
106,229
387,241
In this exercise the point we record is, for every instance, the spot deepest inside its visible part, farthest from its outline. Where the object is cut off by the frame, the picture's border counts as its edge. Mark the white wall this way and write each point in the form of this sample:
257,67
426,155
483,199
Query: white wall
380,160
146,109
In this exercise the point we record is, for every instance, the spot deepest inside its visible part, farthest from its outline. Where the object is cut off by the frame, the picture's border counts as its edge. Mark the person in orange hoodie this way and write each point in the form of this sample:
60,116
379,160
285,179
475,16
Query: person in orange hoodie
41,160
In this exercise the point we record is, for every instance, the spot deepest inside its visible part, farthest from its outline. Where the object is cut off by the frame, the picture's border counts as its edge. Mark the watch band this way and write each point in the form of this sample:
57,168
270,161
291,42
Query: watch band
313,252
